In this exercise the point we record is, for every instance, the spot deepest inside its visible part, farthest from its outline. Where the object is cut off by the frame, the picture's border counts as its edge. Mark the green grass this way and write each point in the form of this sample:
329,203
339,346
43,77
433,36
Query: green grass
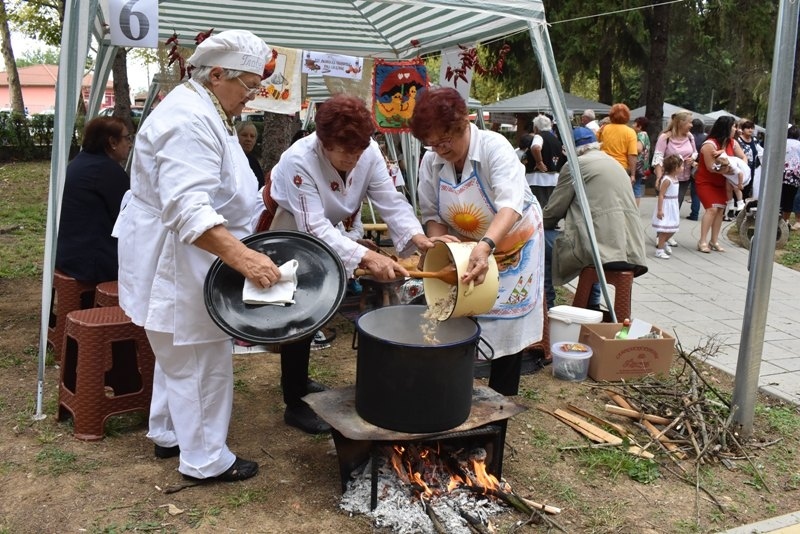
615,462
785,420
23,216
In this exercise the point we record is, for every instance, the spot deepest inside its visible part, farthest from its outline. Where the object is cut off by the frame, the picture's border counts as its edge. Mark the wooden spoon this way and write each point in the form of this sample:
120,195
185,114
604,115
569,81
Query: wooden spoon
446,274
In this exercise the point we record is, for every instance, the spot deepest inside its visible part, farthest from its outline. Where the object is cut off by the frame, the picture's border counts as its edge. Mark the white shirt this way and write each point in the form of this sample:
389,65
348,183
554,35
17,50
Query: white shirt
316,200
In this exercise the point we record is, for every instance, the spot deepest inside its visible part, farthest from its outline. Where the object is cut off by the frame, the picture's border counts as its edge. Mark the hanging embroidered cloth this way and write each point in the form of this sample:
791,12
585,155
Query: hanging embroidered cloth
396,85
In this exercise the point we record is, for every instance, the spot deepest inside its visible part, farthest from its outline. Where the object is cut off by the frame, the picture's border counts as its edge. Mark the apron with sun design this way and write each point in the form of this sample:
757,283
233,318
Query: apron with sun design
467,209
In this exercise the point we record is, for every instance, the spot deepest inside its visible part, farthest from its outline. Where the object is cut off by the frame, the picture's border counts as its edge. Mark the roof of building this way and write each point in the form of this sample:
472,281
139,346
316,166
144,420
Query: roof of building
41,75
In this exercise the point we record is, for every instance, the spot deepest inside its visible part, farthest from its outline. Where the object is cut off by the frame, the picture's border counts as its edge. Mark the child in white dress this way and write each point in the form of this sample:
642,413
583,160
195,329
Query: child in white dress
666,216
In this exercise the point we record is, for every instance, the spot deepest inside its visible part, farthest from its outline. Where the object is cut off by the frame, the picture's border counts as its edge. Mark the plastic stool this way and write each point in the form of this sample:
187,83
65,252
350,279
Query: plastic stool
623,286
68,295
106,294
107,369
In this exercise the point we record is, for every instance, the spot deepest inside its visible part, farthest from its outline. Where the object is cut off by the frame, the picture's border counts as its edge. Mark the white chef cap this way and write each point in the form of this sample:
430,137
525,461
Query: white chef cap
232,49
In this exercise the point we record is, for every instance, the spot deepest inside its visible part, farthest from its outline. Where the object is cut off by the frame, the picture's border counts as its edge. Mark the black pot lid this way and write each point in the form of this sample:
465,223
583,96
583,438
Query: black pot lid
321,281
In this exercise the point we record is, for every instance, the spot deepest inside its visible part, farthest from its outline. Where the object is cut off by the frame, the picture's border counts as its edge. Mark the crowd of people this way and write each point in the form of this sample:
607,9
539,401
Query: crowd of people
196,188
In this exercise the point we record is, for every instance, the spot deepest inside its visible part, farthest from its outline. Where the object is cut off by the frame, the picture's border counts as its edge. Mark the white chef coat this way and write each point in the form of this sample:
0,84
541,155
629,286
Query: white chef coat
314,199
189,174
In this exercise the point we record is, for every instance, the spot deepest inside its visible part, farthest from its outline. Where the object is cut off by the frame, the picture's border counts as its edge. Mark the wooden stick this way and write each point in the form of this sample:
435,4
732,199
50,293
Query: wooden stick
599,432
437,524
598,420
474,522
543,507
633,414
575,427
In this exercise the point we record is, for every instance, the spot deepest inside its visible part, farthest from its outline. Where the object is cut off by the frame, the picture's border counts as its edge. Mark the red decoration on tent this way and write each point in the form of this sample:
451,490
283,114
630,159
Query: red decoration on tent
395,88
174,55
469,60
202,36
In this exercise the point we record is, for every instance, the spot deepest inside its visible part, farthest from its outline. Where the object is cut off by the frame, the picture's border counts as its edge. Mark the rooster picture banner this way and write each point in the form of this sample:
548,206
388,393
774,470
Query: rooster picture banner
281,89
396,85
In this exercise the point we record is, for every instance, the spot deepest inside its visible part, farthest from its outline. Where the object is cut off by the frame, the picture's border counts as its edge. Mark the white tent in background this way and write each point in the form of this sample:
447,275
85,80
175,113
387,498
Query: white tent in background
539,100
722,112
669,110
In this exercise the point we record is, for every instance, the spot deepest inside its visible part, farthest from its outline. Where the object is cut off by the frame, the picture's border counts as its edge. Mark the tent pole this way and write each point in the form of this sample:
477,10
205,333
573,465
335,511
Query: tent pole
75,37
751,344
540,40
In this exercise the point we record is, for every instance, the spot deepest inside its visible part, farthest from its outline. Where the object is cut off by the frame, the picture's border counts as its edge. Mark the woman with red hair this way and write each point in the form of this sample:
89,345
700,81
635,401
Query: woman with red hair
472,186
319,185
619,140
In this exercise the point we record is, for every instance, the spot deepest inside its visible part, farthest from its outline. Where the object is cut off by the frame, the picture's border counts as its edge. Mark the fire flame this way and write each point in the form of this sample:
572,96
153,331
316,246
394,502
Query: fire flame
431,473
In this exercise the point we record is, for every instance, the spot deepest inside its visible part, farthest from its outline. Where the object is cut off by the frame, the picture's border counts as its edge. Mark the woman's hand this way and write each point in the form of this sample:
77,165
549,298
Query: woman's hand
382,267
478,264
258,268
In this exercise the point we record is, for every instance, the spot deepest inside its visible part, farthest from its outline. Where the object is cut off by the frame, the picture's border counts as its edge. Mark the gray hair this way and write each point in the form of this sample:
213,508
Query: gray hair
543,123
203,74
588,113
583,149
239,126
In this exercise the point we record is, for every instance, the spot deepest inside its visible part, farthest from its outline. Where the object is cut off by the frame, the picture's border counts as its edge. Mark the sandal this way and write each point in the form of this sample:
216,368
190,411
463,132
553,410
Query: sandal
716,247
703,247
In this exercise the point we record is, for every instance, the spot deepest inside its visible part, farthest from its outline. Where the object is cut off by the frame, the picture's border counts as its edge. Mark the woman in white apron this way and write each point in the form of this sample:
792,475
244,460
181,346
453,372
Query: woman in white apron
191,200
472,186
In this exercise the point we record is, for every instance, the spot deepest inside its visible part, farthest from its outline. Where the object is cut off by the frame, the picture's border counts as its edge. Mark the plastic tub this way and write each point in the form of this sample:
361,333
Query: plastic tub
569,363
566,321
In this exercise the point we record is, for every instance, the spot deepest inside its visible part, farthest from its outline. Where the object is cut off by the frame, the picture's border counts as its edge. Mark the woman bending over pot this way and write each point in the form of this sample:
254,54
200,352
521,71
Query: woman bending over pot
472,186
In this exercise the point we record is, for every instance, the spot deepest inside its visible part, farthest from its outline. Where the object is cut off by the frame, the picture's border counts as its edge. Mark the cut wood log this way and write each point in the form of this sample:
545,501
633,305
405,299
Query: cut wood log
633,414
589,427
598,420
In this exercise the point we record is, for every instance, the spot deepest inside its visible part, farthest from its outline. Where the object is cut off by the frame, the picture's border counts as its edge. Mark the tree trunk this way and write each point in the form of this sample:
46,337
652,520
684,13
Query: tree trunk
658,26
276,137
14,87
606,89
122,91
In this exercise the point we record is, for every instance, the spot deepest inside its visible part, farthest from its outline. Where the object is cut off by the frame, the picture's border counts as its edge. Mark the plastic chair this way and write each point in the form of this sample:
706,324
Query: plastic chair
107,369
623,288
68,295
106,294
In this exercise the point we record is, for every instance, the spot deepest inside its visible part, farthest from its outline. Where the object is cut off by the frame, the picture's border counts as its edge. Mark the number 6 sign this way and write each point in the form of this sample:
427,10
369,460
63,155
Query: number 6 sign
134,22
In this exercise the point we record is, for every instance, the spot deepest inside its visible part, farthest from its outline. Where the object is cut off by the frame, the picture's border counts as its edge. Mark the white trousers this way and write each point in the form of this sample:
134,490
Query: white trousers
192,402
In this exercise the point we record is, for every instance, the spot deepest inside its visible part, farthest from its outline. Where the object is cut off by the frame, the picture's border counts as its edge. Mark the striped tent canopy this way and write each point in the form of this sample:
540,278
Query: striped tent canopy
366,28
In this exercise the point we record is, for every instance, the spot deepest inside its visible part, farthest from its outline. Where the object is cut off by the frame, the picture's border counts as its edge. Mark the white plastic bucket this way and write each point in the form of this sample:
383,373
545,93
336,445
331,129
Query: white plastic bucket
570,364
566,321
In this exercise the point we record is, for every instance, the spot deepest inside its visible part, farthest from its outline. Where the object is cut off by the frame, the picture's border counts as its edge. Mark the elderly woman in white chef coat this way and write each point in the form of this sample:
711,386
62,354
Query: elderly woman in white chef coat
192,200
319,185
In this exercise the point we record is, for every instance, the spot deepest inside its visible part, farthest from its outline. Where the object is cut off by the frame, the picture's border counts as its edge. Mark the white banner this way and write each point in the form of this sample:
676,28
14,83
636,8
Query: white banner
133,22
458,79
332,65
281,92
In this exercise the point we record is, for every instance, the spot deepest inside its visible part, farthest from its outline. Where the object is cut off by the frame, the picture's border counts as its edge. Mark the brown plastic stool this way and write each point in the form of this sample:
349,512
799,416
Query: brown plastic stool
544,344
106,294
623,287
68,295
107,369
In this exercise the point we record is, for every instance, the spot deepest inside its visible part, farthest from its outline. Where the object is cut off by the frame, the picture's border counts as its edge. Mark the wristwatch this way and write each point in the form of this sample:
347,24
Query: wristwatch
490,242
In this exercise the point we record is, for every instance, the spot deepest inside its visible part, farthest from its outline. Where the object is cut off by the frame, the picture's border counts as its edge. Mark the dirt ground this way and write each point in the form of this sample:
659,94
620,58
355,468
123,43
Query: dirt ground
52,482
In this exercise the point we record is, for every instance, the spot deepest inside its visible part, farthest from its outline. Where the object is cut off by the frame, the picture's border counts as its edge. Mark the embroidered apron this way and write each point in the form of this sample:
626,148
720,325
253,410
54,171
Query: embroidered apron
467,209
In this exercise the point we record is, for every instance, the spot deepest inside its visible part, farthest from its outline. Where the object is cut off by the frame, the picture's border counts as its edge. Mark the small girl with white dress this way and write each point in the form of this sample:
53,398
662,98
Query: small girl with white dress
666,216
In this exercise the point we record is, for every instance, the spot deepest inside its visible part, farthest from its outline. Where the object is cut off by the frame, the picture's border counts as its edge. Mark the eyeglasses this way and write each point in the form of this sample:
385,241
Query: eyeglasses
251,91
444,144
128,136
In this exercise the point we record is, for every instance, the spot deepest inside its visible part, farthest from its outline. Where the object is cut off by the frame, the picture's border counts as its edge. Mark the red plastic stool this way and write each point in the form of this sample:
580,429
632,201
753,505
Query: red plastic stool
68,295
623,287
107,369
106,294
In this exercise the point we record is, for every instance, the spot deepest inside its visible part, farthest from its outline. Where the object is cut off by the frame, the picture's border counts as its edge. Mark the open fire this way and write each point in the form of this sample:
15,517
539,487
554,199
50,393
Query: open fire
428,488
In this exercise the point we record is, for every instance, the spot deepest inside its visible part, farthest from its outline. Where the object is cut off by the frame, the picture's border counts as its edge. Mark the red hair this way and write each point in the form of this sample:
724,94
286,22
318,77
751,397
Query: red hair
344,121
440,110
620,114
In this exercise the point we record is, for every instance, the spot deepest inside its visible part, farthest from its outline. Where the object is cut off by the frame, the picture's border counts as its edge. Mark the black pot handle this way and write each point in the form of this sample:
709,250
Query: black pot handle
491,349
355,339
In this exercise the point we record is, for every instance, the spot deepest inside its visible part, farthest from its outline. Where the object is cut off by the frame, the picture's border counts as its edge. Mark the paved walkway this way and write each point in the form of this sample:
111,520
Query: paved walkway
697,295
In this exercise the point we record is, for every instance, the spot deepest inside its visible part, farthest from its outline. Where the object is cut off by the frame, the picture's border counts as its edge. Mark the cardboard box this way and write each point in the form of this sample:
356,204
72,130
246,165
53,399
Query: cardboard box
618,359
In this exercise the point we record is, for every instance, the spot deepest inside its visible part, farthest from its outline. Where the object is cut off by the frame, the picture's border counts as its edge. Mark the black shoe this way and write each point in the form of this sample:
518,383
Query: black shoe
312,386
240,470
166,452
304,418
692,217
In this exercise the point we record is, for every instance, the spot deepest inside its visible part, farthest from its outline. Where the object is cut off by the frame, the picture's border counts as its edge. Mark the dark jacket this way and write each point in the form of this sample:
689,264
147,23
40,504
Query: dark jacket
93,191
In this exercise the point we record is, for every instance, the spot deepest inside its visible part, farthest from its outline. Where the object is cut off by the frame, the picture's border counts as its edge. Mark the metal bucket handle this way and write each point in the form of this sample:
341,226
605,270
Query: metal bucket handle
489,356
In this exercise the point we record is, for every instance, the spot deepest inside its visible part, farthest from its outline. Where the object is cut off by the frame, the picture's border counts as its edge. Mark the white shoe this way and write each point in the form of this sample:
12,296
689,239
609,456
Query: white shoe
739,206
795,226
662,254
671,242
667,248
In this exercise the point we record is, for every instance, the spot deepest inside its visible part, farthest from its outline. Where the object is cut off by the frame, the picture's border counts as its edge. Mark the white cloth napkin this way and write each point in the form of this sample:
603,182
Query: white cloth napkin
280,293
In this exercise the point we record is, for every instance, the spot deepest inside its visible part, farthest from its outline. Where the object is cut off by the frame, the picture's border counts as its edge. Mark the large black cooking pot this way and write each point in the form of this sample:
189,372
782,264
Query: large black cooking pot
407,384
321,280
